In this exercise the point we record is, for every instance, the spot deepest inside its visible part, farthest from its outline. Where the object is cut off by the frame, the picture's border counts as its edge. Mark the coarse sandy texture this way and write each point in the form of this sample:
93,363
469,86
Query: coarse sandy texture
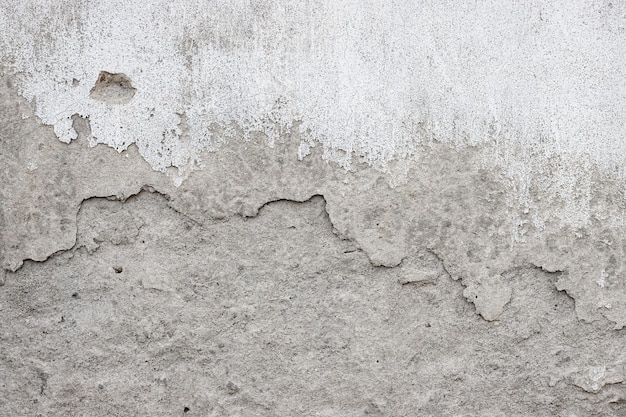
151,313
256,212
265,285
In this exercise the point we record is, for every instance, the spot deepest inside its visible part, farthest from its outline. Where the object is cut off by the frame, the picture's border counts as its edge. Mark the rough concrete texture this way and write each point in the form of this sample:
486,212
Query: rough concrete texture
152,313
258,276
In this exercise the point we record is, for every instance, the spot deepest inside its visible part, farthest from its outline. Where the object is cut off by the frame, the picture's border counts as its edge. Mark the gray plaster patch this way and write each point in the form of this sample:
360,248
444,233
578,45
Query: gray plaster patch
151,313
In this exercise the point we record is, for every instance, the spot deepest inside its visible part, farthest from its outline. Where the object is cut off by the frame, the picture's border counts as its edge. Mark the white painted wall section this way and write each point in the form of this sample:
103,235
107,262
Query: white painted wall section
369,77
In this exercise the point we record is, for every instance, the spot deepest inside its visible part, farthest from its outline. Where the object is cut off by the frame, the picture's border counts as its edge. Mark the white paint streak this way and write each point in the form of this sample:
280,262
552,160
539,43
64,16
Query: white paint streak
371,77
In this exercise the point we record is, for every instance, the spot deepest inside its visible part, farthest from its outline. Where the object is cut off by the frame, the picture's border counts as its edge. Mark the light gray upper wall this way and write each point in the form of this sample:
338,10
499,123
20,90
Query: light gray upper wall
535,80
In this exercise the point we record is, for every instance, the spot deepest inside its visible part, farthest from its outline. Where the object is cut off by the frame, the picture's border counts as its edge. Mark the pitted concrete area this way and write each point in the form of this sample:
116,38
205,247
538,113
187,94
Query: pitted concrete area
153,313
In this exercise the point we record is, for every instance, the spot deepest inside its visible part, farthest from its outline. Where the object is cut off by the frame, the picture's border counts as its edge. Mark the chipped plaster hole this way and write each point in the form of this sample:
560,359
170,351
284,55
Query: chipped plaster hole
113,88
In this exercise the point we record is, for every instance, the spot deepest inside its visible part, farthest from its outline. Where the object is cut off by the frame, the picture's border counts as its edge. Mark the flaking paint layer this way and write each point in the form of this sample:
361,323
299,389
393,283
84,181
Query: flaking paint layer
372,78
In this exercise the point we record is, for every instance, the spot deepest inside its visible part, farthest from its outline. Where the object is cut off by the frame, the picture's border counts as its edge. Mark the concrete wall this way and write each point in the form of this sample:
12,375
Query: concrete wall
312,208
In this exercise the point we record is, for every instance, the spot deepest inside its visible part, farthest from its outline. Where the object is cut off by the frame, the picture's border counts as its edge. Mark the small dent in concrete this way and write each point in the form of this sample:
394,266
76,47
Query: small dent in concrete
113,88
490,298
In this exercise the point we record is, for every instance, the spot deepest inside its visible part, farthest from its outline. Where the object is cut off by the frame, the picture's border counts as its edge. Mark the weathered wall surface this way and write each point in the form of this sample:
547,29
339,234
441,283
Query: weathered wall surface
305,208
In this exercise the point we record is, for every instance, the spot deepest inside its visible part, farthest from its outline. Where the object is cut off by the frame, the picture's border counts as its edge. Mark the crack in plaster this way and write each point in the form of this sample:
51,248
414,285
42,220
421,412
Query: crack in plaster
452,192
258,212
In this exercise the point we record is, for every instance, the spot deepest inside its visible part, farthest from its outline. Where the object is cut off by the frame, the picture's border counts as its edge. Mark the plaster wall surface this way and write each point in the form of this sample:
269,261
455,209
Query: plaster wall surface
312,208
